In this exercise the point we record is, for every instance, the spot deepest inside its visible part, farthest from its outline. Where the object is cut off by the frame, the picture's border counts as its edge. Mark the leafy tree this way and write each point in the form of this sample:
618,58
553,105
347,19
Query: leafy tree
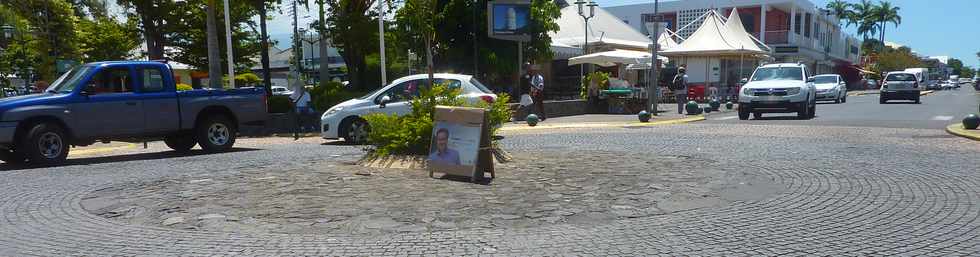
353,29
898,59
188,34
89,8
104,39
20,52
53,23
156,19
960,69
422,16
886,13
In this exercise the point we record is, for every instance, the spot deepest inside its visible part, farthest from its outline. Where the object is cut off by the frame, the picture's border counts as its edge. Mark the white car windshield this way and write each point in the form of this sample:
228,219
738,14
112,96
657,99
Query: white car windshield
900,77
778,73
825,80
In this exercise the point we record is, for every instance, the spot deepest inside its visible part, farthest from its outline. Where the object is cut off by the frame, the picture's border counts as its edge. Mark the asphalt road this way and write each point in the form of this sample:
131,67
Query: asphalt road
937,110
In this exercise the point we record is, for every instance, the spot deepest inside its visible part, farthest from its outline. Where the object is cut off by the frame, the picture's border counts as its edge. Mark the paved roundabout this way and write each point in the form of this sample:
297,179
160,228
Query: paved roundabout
833,191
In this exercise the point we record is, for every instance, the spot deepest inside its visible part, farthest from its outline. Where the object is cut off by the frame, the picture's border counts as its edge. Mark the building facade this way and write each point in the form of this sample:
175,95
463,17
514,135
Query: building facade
796,30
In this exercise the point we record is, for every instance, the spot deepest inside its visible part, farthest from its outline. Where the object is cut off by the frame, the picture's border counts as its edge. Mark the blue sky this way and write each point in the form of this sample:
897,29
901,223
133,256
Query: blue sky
929,27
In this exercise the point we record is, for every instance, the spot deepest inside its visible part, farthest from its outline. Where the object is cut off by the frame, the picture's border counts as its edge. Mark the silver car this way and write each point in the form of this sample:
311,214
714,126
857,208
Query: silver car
900,86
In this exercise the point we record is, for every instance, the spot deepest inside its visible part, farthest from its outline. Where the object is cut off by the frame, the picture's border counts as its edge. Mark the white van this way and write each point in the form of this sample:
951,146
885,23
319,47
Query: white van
922,76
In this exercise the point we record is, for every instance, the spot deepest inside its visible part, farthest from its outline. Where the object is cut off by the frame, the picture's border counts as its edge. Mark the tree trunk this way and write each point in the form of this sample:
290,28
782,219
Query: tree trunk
324,62
266,73
428,59
214,55
151,32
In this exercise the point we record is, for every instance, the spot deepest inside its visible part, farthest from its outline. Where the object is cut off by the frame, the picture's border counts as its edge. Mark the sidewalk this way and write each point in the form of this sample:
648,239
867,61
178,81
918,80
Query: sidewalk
667,115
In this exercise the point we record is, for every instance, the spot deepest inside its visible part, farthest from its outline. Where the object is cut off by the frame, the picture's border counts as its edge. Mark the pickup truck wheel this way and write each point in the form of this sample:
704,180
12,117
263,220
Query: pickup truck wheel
180,143
45,143
12,157
216,134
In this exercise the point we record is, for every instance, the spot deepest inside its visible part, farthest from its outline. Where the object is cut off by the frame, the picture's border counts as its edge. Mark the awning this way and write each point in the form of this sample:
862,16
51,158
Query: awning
614,57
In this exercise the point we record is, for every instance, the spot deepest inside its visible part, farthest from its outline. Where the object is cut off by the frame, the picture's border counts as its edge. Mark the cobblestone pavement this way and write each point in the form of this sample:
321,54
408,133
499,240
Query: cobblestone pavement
843,191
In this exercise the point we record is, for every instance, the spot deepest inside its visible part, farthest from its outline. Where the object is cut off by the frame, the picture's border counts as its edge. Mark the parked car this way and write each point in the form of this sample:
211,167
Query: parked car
280,90
778,88
873,84
830,87
345,120
123,101
900,85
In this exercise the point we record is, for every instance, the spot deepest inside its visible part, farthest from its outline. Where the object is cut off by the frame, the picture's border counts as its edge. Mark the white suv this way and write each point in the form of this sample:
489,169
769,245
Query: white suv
778,88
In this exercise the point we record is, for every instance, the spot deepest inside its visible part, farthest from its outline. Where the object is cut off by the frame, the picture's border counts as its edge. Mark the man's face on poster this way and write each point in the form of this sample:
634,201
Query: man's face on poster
442,141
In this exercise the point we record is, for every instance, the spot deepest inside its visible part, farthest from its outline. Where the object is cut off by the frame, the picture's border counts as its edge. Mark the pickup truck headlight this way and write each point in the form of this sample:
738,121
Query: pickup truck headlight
792,91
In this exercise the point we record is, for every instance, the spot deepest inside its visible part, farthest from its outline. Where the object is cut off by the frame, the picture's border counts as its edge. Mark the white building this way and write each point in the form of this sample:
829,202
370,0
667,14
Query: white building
796,30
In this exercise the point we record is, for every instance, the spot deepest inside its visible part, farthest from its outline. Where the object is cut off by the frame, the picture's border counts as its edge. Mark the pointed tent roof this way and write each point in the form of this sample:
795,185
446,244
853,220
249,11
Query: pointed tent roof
715,38
666,41
604,28
734,24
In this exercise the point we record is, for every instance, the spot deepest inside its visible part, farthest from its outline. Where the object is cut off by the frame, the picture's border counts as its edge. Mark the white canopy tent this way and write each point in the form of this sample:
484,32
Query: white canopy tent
614,57
605,29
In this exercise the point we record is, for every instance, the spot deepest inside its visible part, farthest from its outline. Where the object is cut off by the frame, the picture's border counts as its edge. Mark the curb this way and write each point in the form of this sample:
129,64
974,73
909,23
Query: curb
606,125
958,130
97,150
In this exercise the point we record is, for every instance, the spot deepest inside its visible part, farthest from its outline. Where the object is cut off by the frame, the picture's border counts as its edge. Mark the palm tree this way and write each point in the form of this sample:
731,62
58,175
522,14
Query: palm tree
842,10
864,17
887,14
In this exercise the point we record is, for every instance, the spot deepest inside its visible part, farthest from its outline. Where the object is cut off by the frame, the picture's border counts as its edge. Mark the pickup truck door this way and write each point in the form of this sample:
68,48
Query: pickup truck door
156,90
108,106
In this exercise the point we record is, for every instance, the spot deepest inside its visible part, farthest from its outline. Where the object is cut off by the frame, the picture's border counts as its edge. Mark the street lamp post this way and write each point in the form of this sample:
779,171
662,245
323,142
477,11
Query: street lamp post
653,87
581,12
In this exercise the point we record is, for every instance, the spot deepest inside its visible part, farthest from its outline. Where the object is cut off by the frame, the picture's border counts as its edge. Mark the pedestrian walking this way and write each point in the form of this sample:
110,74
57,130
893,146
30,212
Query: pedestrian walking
679,86
537,91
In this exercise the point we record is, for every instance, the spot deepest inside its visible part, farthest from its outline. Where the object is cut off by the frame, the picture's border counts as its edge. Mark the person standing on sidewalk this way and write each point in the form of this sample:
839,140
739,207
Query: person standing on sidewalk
537,91
679,86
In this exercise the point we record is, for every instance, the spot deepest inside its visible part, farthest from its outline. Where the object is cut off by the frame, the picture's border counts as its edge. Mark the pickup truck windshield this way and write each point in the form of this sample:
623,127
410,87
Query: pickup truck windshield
825,80
67,82
781,73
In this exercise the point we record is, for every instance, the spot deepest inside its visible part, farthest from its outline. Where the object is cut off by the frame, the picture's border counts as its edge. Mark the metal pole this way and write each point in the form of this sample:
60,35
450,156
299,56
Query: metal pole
520,62
476,49
381,35
652,87
230,47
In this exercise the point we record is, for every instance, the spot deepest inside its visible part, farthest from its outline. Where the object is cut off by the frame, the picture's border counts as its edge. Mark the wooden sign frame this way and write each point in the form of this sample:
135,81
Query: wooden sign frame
468,118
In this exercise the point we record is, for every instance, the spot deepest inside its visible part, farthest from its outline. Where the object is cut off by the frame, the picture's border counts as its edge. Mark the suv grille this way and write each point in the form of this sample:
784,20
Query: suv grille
769,91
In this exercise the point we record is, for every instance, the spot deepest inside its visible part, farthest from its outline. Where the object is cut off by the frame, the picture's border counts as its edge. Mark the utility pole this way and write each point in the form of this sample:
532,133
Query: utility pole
381,36
229,47
324,61
653,87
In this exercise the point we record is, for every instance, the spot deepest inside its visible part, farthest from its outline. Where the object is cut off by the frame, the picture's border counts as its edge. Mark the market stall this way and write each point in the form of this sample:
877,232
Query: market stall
621,91
717,56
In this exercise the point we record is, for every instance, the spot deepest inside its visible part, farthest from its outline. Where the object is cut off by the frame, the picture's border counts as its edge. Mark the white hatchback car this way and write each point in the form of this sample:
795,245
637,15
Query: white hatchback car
830,87
778,88
345,120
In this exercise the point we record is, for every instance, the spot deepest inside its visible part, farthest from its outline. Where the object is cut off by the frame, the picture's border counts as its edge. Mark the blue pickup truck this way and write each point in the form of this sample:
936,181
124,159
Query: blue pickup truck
133,101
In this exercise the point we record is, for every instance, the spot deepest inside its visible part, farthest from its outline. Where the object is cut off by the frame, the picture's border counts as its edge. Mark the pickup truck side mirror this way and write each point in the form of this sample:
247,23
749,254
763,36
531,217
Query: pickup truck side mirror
384,101
744,80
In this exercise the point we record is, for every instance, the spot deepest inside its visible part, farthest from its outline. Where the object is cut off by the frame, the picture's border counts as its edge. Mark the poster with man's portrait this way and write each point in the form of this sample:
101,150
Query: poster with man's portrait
456,136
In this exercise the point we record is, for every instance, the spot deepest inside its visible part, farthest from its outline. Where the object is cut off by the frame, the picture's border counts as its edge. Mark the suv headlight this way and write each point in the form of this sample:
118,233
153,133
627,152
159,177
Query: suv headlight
792,91
746,91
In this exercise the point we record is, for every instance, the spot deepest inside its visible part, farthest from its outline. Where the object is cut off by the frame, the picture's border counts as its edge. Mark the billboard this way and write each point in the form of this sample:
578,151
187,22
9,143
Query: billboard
509,20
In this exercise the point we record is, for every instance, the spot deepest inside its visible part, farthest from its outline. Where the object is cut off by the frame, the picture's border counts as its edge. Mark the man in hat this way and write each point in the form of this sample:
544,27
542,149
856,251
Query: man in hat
537,90
679,86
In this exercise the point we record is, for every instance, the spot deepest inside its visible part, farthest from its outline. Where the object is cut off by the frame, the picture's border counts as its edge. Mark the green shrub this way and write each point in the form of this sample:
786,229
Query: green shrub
279,104
601,78
412,133
329,94
184,87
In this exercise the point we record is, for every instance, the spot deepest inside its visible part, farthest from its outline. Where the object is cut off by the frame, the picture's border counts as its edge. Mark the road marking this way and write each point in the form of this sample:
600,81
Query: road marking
727,118
942,118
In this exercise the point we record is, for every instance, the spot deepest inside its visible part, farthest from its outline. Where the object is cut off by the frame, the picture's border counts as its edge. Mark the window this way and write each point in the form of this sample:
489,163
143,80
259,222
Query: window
900,77
480,86
450,83
404,91
825,79
806,30
110,80
781,73
152,80
67,83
